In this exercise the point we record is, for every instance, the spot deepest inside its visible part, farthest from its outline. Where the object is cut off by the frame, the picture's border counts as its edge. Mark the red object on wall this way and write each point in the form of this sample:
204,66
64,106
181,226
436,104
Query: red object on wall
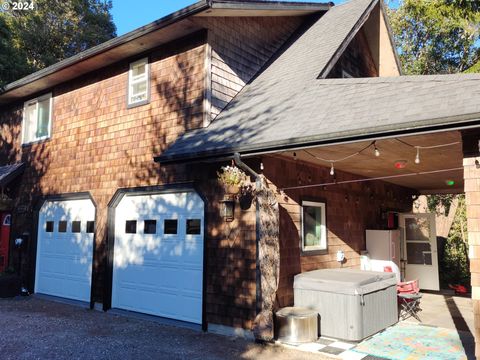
5,219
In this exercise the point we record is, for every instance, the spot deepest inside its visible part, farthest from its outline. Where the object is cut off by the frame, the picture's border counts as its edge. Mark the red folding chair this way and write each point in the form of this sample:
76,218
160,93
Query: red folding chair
409,296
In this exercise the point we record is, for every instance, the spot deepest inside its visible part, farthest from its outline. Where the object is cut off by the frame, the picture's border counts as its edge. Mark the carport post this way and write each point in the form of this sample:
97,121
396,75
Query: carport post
471,174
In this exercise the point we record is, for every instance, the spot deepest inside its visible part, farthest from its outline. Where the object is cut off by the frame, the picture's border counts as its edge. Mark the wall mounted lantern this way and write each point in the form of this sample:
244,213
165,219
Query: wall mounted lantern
228,209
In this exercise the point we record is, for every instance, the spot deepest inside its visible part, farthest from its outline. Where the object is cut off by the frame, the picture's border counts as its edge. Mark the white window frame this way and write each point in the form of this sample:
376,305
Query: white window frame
36,101
323,228
133,81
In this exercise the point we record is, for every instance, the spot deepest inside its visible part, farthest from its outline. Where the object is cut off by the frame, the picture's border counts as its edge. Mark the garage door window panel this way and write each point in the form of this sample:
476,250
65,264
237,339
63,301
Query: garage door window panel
170,226
131,227
150,227
193,227
76,227
62,226
49,226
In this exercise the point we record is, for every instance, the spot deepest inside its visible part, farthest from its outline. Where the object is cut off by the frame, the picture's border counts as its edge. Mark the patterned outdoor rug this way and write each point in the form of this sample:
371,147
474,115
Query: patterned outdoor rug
413,342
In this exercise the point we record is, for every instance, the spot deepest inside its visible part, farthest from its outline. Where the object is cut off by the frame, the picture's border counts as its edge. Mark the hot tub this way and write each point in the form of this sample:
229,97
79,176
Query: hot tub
352,304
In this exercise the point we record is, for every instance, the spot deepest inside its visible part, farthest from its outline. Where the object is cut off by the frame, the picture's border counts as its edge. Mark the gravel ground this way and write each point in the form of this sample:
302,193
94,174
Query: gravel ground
34,328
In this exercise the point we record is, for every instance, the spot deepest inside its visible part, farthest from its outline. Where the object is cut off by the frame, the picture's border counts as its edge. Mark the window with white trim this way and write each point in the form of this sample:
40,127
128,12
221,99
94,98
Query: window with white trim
314,228
37,119
138,82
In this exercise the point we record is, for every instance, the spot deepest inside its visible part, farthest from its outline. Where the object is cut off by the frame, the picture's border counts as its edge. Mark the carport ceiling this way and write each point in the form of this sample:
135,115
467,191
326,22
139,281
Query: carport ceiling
366,164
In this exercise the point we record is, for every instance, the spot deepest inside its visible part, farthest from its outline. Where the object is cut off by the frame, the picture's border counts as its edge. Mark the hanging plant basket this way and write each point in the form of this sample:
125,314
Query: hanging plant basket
232,178
232,189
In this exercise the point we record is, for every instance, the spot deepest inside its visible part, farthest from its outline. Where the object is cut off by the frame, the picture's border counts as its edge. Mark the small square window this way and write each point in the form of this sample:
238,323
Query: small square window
49,226
37,119
314,229
76,226
170,226
150,227
62,226
193,226
90,227
131,227
138,82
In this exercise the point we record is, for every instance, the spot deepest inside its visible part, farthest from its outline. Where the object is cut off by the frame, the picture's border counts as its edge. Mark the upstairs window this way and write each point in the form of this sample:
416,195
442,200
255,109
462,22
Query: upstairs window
37,119
138,83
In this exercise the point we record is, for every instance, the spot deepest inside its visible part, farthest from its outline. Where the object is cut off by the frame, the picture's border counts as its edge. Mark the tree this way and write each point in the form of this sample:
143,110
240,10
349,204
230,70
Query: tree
57,29
436,36
12,64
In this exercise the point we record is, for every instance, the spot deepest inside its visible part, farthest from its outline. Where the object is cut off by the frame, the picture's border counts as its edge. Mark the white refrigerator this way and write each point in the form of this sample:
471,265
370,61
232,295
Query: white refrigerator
383,247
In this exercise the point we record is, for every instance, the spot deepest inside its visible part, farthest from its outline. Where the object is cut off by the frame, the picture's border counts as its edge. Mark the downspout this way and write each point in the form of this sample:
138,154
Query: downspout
258,184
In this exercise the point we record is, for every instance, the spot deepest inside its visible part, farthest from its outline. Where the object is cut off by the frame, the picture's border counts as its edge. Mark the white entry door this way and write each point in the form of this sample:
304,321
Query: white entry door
158,255
420,249
65,249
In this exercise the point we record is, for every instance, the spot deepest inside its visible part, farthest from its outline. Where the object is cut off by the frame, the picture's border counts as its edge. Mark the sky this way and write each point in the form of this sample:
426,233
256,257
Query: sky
128,15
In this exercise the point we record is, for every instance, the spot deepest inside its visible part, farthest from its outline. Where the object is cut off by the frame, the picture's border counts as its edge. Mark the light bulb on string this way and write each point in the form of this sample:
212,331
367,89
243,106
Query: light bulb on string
417,158
332,170
376,151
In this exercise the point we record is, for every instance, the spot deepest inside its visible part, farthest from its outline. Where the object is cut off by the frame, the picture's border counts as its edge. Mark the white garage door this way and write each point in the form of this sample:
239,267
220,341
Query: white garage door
65,249
158,255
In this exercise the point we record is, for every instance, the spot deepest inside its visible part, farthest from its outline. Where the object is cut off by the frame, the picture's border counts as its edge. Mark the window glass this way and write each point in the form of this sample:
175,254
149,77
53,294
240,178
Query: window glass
193,226
49,226
170,226
62,226
90,226
313,226
37,118
43,117
76,226
131,227
138,82
150,227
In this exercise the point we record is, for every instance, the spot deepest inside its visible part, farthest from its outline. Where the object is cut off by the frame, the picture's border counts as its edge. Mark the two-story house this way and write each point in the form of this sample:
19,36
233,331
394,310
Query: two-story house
112,157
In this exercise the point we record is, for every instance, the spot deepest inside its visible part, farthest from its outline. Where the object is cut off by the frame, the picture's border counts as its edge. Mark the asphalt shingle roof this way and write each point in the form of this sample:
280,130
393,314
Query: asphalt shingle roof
287,104
9,172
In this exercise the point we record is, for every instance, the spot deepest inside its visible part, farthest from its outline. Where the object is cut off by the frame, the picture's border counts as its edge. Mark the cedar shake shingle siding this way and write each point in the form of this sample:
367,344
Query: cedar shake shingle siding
240,46
99,145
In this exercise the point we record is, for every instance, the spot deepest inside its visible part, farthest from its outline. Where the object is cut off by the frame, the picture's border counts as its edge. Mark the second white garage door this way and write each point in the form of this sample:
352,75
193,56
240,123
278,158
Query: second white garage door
158,255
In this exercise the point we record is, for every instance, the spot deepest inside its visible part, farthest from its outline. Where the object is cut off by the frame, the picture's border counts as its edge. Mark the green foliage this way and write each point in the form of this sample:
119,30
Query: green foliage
474,69
454,263
436,36
55,30
439,201
12,64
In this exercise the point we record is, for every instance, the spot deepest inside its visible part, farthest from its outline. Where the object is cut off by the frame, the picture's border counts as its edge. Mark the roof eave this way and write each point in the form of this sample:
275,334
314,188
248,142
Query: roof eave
427,126
110,44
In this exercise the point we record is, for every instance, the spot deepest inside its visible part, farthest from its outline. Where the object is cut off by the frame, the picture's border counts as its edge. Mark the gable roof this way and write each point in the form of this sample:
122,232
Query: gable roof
168,28
333,110
283,92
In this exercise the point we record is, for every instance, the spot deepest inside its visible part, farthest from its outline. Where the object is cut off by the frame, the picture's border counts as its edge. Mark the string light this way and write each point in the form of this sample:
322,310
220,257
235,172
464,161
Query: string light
376,151
417,157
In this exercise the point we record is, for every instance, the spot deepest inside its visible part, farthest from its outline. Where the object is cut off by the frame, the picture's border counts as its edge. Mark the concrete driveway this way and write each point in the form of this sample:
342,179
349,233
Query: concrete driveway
35,328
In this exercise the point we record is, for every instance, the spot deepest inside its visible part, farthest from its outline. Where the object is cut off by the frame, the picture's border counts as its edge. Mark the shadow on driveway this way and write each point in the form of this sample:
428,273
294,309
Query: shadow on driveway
34,328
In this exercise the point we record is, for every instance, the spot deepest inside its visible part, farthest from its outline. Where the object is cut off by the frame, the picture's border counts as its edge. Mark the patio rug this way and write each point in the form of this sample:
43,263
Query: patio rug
414,342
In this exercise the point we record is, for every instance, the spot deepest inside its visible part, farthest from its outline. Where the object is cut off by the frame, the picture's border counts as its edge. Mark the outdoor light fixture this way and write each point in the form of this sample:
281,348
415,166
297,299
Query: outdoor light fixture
228,209
450,182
